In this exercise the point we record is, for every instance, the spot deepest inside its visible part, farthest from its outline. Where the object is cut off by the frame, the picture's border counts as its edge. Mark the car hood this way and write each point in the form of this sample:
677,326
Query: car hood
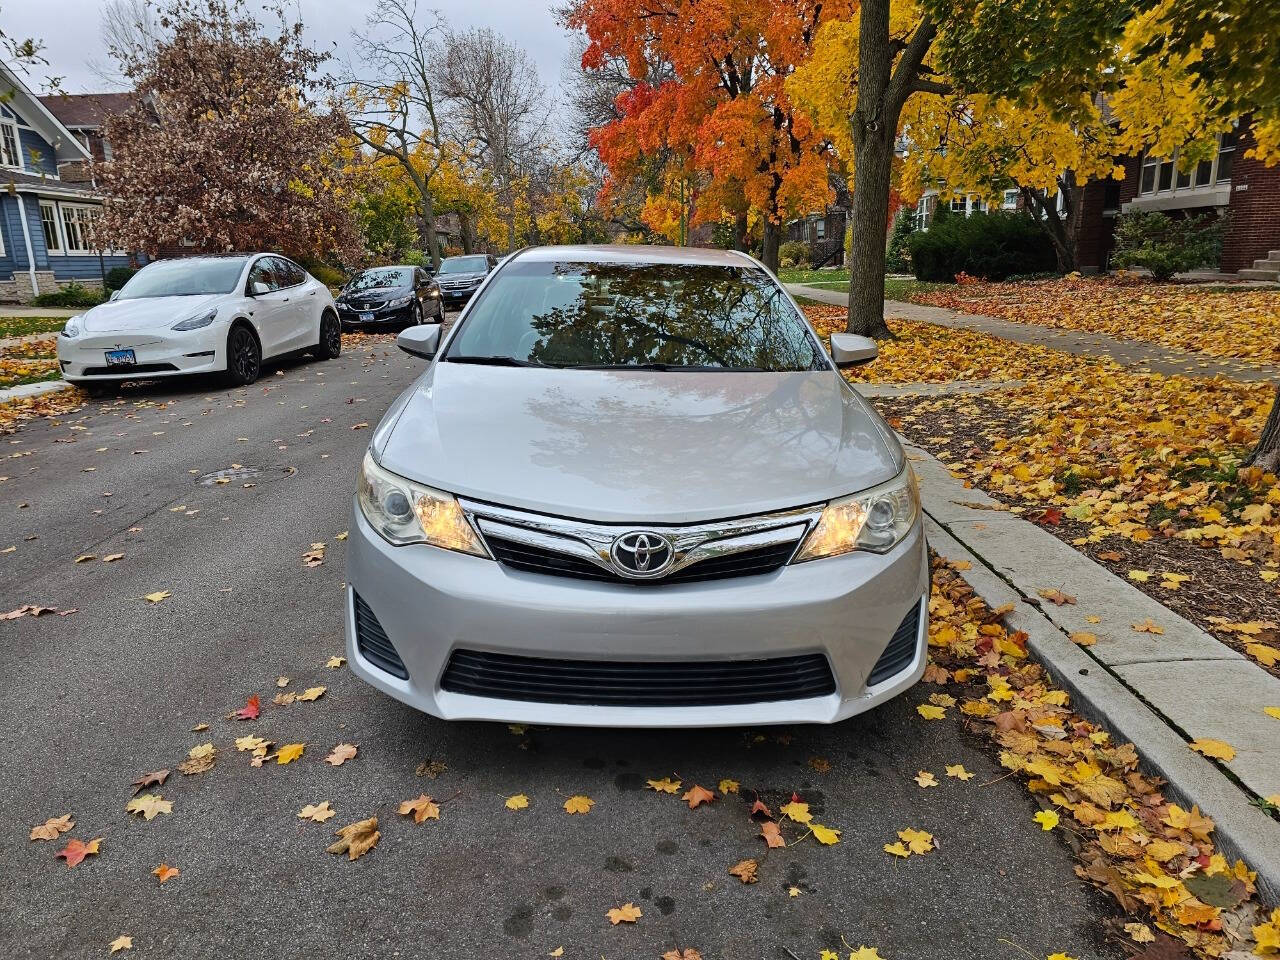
145,313
450,277
637,446
376,293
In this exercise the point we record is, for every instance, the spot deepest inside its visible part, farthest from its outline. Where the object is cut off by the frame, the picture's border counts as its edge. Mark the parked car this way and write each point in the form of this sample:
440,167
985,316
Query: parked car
397,296
631,488
220,314
460,277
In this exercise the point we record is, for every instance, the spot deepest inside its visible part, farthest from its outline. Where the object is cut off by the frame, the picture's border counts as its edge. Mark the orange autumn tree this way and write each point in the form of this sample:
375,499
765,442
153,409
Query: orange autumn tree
723,122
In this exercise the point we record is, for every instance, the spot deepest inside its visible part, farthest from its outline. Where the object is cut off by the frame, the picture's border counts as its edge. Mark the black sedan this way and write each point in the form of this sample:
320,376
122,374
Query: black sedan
398,296
460,276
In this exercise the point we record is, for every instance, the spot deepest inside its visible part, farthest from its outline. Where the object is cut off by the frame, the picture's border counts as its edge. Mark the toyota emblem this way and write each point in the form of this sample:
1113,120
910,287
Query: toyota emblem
641,554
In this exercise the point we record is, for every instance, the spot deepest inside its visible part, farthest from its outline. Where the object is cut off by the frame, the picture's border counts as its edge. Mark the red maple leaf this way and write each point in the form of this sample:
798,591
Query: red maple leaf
249,711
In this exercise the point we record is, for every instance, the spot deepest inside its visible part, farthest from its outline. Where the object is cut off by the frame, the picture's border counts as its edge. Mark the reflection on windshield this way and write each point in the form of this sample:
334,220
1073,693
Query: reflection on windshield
373,279
184,278
655,316
464,265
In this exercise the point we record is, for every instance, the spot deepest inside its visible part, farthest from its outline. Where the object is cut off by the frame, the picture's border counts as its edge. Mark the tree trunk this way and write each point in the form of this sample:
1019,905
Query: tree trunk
467,233
429,229
1267,453
1060,231
740,231
770,245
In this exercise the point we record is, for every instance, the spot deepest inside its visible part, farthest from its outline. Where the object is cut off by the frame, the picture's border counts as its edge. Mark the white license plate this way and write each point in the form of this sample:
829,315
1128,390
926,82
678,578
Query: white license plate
121,358
366,317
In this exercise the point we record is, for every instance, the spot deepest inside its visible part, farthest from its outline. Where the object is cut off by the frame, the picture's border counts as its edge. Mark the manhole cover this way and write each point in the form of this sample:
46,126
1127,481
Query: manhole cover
228,475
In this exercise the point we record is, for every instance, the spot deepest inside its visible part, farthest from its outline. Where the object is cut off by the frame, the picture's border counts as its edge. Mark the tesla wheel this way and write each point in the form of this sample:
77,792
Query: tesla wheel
330,344
244,356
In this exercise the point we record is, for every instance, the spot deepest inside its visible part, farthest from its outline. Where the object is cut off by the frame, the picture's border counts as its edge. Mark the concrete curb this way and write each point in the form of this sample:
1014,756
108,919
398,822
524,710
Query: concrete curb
33,390
1242,830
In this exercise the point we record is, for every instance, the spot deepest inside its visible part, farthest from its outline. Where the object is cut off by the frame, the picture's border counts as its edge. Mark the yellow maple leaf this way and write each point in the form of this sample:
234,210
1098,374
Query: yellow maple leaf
925,779
517,802
917,841
1139,933
897,849
930,712
356,839
335,662
121,942
665,785
1272,712
578,804
1268,935
312,693
1084,638
421,808
317,812
727,786
1266,655
1214,748
290,752
51,828
1148,626
627,913
1048,819
958,771
796,811
865,953
1141,576
1060,956
148,805
157,596
825,835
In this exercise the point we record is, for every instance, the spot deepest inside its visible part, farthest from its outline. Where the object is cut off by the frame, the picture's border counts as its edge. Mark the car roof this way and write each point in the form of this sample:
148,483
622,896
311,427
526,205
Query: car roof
636,253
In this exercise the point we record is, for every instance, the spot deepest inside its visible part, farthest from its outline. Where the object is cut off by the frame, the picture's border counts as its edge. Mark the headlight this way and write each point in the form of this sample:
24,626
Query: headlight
399,302
407,512
433,292
72,328
198,321
874,520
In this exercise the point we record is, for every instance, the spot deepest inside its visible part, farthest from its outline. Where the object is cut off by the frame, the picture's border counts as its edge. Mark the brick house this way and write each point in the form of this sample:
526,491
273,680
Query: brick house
48,202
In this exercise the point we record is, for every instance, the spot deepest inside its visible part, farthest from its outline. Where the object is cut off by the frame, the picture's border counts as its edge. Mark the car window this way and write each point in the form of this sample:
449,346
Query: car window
692,316
476,263
293,272
282,269
184,278
263,272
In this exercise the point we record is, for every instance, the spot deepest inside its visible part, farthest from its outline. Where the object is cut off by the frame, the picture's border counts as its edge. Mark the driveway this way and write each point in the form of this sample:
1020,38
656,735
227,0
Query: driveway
98,697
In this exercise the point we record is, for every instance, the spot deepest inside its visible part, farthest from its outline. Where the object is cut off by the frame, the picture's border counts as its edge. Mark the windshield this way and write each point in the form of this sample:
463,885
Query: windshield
464,265
184,278
383,277
705,317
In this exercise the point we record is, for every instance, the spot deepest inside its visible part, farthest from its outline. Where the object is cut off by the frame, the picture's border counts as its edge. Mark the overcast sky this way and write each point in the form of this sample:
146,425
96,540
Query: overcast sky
71,34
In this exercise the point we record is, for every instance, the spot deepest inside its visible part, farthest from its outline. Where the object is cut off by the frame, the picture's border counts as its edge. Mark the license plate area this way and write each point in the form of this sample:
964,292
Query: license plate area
121,358
366,317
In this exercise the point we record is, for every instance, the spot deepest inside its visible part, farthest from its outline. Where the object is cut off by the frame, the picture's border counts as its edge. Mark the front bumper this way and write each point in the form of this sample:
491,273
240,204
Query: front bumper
350,317
431,602
158,353
454,298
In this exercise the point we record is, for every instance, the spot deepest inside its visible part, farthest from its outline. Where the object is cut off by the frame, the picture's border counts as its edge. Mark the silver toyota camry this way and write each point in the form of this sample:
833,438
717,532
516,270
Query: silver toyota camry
632,489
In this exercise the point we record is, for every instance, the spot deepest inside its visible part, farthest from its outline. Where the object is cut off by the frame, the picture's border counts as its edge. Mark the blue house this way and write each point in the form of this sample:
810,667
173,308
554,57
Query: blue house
47,199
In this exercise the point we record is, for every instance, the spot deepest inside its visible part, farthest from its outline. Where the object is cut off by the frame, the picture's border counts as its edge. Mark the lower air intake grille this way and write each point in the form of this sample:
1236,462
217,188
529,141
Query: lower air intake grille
374,644
901,650
638,683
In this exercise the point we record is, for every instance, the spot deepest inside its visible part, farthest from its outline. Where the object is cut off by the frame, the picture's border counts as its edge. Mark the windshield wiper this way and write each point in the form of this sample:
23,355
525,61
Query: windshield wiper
499,361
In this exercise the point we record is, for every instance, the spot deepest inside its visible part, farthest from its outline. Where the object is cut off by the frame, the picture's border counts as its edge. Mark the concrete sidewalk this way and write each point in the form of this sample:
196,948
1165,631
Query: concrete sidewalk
1158,690
1136,354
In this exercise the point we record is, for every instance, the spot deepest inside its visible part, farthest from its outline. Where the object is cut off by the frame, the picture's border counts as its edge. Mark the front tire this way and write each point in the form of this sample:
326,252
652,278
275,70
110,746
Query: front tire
415,314
330,345
244,356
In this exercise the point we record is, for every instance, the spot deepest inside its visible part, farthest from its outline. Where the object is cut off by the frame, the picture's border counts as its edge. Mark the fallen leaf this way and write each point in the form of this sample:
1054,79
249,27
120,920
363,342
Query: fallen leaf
335,662
745,870
1057,597
796,811
315,556
697,795
578,804
557,952
356,839
248,712
341,754
112,557
925,779
1084,638
165,872
665,785
930,712
148,805
759,808
1140,576
959,772
76,850
897,849
820,764
728,786
52,828
627,913
200,759
825,835
1272,712
157,596
317,812
290,752
282,681
423,808
772,835
1139,933
1214,748
688,953
917,841
1147,626
517,802
154,779
865,953
312,693
1048,819
121,942
431,769
84,557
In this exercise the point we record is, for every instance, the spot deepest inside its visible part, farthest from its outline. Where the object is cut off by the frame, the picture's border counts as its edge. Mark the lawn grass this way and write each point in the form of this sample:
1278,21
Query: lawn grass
797,275
895,288
21,326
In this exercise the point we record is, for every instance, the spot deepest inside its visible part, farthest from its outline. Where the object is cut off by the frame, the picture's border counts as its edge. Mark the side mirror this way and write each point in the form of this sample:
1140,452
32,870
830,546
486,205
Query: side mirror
420,341
258,288
850,350
114,295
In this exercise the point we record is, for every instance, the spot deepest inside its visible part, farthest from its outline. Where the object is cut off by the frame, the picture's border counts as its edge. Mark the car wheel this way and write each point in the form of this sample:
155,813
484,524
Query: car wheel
440,311
330,345
244,356
415,314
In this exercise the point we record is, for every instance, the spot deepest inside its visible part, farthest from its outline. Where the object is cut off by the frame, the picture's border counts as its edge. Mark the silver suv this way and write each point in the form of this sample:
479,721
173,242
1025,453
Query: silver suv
632,489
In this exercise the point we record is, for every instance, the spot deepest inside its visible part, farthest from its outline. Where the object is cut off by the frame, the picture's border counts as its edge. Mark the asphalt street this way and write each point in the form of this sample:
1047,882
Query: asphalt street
96,698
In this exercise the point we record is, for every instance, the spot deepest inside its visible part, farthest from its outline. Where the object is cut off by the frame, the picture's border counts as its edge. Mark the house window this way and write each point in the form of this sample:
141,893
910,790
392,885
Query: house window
1226,155
1148,182
1010,201
925,210
958,204
49,223
77,226
10,152
821,228
1161,175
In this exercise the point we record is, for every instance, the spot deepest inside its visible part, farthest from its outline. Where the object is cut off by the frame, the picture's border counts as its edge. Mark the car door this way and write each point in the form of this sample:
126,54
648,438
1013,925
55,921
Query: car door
269,310
303,303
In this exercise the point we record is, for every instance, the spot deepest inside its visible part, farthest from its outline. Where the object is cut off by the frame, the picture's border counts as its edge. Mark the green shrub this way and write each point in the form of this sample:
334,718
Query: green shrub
1165,245
74,294
117,277
793,253
329,276
991,246
898,255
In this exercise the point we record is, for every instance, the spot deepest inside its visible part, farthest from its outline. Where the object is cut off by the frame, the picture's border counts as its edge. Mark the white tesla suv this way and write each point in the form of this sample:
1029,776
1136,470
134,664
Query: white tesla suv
220,314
